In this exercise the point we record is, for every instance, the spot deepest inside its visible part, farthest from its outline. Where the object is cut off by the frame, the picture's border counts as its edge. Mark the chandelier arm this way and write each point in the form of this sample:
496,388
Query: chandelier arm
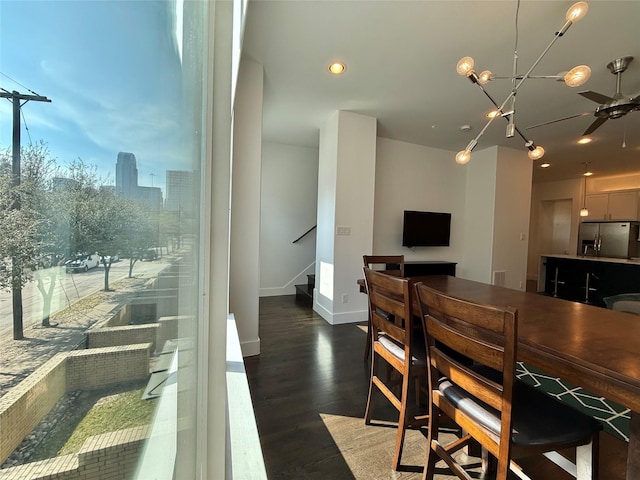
525,76
520,77
544,52
495,104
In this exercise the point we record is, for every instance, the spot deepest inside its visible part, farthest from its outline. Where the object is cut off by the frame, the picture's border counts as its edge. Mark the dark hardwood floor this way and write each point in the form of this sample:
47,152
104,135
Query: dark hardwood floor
309,389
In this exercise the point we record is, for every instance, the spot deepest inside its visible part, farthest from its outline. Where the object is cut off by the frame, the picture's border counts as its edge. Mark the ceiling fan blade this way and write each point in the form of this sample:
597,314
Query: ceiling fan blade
560,119
596,97
597,122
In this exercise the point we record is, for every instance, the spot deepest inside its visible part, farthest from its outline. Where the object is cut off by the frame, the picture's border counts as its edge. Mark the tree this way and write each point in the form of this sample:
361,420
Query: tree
120,227
23,223
140,235
103,222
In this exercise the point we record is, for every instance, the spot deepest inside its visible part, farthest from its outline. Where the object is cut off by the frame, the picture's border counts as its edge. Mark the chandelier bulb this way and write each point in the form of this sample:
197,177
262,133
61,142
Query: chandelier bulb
536,153
577,11
463,157
577,76
465,66
485,77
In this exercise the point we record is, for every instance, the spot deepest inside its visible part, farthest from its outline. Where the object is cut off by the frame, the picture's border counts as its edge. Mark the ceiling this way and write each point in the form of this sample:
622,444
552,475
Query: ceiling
401,68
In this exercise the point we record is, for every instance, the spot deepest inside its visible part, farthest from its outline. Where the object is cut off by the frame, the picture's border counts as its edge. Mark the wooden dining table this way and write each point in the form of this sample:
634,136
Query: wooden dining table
589,346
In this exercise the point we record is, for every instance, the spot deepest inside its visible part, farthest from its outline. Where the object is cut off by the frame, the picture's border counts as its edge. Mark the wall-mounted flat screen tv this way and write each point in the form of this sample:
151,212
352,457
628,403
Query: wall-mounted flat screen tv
426,229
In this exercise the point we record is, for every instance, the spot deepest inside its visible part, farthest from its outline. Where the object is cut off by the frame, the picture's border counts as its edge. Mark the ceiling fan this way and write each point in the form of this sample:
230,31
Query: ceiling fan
610,107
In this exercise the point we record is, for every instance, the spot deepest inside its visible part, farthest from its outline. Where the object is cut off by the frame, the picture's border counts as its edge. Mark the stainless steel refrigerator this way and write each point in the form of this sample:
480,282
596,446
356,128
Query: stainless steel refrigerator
608,239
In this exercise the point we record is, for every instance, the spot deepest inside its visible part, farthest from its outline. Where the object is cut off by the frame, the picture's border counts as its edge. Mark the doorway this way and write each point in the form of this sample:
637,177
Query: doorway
555,226
553,236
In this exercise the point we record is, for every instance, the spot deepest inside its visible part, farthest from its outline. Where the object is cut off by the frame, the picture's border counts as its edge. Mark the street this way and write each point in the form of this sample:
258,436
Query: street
70,287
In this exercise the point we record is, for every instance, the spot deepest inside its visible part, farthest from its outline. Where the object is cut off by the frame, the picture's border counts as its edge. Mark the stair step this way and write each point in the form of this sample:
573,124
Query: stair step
304,294
311,280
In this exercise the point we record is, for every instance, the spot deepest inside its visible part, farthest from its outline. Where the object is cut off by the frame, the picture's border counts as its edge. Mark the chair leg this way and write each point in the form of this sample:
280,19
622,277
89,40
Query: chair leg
367,346
367,413
587,460
402,422
432,434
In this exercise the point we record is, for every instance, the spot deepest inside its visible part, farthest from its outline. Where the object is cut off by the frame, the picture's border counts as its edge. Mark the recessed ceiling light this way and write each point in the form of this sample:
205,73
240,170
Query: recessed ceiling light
584,140
545,165
337,68
587,174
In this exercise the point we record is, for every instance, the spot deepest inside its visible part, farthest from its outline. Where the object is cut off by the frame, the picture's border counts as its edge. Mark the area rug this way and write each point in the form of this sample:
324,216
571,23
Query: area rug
368,450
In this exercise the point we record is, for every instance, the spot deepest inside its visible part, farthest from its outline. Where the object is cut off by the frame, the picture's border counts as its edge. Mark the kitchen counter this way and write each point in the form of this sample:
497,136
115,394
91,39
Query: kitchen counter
591,258
587,279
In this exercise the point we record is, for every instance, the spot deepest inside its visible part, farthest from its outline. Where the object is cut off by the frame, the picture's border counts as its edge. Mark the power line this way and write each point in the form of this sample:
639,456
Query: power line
15,81
26,127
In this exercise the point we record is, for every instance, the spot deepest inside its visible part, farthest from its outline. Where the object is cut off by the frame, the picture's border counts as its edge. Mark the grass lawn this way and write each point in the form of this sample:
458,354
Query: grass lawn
90,413
109,414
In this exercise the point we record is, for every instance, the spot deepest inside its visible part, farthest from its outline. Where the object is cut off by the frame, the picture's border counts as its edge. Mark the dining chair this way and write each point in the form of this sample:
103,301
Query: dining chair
395,347
391,265
508,418
624,302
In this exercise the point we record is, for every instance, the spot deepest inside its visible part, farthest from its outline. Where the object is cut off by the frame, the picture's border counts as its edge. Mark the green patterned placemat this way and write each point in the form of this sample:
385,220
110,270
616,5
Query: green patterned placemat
614,418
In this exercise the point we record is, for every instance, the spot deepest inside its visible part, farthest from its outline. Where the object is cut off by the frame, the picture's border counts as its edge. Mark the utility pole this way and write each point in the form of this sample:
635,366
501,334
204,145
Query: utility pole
16,265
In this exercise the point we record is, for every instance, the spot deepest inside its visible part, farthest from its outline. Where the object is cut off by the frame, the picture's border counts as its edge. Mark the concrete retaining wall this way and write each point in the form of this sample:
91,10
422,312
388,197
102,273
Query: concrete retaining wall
126,335
99,367
110,456
28,402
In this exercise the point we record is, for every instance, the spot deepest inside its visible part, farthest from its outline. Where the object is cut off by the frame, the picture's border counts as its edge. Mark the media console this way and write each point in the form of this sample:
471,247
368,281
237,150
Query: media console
429,267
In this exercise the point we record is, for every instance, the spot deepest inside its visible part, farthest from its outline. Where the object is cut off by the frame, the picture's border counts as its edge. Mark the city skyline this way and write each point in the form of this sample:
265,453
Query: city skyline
113,81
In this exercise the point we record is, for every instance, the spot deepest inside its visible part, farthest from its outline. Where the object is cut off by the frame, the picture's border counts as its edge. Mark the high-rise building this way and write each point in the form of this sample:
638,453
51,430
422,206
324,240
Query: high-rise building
150,197
126,174
127,183
180,191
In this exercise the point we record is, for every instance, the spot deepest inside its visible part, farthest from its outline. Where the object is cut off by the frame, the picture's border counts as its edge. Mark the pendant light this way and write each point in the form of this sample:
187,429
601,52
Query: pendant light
584,211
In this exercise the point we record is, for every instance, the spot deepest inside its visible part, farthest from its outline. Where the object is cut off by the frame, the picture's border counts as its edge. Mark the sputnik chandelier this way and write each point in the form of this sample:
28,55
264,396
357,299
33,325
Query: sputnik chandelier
575,77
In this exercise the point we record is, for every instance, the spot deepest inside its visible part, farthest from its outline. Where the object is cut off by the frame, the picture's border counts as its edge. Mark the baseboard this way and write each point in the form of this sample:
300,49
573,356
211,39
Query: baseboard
277,291
340,318
250,348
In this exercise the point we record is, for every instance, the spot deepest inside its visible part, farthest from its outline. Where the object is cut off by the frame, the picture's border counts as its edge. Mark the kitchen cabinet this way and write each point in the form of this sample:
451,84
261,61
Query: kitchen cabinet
612,206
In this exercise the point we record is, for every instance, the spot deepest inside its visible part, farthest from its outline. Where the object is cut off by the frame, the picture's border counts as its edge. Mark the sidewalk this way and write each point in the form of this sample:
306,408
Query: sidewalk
19,358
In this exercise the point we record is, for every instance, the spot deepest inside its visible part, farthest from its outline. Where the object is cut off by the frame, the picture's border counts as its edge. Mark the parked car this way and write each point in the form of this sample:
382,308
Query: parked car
111,258
149,254
83,263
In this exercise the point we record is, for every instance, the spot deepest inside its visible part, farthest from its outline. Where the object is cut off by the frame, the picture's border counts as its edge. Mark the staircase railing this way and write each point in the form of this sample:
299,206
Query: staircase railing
305,234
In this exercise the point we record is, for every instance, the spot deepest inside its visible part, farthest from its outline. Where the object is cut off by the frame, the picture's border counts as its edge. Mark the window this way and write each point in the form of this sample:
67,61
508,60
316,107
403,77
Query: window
111,101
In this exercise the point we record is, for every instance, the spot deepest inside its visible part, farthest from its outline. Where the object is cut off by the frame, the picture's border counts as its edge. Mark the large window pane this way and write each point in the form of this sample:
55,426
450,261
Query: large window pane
99,231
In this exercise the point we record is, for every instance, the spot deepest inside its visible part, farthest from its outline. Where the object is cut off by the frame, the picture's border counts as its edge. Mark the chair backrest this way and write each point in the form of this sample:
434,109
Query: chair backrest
624,302
390,264
390,306
483,333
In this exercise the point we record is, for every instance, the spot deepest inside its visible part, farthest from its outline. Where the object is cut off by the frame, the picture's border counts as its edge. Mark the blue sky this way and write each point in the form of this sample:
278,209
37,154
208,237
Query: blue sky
112,72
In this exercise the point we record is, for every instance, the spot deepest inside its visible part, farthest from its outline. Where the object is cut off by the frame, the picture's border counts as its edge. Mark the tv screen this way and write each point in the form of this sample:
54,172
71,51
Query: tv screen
426,229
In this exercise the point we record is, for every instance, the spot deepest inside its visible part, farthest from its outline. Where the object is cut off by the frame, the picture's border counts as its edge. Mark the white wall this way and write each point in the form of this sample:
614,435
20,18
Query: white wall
479,216
488,199
497,216
244,276
413,177
511,218
327,186
289,195
347,157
